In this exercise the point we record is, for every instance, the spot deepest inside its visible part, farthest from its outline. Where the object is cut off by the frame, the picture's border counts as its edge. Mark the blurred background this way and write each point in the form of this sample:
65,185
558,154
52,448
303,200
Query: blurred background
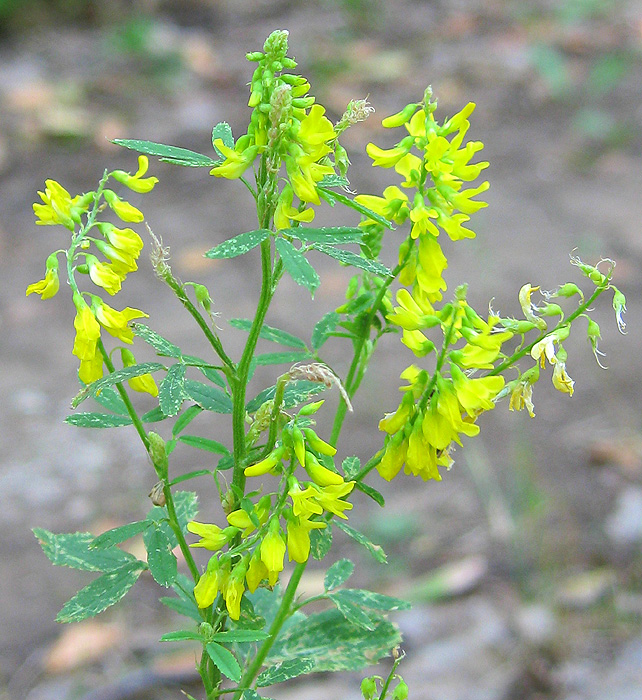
524,564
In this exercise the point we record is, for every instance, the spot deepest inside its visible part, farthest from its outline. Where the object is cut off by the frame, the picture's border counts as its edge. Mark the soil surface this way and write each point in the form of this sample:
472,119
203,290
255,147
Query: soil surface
524,563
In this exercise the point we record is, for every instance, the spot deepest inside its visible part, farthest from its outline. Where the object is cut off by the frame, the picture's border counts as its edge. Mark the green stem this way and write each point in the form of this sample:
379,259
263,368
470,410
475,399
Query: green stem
131,411
284,611
355,373
567,322
213,339
240,380
167,491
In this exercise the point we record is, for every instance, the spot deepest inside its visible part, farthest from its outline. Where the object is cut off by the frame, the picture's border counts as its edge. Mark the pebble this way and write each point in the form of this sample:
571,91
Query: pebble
624,525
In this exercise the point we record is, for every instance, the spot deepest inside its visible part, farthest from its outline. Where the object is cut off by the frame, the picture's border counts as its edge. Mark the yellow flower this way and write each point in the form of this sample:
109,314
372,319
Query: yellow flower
319,474
475,395
545,350
103,275
561,381
393,457
59,207
136,182
145,382
285,213
298,534
123,210
122,263
234,589
391,423
522,397
330,498
87,331
393,205
273,551
431,263
115,322
91,369
256,571
123,239
47,287
235,163
303,501
212,536
315,130
265,465
386,158
206,590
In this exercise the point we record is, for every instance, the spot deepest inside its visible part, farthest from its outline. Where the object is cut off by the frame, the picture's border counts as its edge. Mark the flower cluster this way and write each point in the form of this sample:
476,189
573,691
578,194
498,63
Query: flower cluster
119,249
259,535
434,161
287,128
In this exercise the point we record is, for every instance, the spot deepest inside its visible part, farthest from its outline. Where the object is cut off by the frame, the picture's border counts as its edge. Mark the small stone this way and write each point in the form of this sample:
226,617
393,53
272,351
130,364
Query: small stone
624,525
536,624
587,589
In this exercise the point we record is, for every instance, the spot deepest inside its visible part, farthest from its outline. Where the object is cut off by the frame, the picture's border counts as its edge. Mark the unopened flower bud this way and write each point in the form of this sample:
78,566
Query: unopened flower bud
368,688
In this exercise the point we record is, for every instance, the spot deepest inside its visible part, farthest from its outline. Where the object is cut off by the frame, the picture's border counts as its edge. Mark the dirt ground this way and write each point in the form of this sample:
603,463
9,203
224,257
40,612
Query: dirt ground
524,564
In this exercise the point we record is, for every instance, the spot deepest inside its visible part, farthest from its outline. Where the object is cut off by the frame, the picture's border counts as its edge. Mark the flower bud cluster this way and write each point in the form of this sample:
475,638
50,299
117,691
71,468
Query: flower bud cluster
287,128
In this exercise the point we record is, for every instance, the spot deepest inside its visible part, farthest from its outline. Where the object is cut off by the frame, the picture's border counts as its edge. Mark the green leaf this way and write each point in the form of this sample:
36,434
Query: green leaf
186,505
295,393
190,475
168,154
119,534
335,644
116,377
110,399
171,393
74,550
212,372
252,695
185,604
276,335
97,420
181,636
101,593
238,245
182,607
185,419
338,573
208,397
162,346
333,197
297,265
326,234
320,542
201,443
240,636
376,496
279,358
224,660
249,618
223,131
347,257
354,614
333,181
284,670
351,467
370,599
374,549
162,563
321,332
153,416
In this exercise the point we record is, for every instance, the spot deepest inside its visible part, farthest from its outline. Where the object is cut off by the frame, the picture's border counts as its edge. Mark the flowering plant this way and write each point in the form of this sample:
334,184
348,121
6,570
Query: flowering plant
286,492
